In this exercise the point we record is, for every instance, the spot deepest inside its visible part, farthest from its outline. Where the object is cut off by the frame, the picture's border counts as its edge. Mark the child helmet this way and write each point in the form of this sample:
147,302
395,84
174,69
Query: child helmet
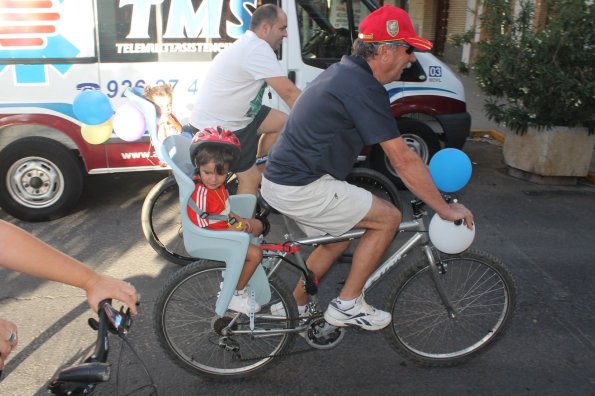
215,137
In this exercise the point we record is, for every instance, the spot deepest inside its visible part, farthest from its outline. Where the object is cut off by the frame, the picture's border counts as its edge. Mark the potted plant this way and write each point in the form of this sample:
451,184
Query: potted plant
540,82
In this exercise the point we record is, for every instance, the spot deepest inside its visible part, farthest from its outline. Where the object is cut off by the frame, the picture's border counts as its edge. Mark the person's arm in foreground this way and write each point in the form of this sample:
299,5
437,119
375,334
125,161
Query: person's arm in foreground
415,175
22,252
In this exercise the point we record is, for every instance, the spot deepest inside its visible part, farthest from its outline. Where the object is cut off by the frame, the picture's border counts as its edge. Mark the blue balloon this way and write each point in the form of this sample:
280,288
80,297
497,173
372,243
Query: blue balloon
92,107
451,170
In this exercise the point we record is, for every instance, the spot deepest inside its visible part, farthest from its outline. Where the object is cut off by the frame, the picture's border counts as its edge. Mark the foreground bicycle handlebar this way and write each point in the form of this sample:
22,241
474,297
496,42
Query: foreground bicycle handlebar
82,379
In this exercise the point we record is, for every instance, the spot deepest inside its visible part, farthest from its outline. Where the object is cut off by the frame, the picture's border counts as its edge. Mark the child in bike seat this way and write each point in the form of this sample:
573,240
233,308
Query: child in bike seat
162,97
214,152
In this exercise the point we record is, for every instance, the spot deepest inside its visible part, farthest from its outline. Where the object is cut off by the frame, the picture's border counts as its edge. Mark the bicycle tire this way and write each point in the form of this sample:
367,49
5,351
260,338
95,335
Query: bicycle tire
377,183
481,290
161,224
186,322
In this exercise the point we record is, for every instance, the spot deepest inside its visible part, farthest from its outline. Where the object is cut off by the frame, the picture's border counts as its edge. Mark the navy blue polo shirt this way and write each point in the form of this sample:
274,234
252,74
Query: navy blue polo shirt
338,113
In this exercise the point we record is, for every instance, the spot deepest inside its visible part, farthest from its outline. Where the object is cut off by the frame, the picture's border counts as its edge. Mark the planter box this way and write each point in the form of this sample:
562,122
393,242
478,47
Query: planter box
556,156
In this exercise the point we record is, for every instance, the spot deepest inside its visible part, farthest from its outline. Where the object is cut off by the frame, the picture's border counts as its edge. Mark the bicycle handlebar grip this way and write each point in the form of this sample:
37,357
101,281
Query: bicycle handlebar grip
102,302
86,373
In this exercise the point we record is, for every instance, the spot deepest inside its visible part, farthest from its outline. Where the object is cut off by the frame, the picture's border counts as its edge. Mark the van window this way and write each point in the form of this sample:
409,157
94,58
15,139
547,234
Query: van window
328,28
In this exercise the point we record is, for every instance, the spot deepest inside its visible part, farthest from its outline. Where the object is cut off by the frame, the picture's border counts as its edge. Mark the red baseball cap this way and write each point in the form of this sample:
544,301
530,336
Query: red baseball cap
388,24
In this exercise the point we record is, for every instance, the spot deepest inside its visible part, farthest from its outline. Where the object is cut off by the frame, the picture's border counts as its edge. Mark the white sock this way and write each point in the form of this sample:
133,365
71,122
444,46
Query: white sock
240,292
301,309
345,305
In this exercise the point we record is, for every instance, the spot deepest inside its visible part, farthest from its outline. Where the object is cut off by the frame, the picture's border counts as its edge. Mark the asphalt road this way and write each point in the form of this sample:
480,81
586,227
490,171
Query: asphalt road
545,235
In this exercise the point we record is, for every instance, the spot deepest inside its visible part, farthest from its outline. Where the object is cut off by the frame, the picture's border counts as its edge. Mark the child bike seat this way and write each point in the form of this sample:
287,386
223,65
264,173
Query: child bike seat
228,246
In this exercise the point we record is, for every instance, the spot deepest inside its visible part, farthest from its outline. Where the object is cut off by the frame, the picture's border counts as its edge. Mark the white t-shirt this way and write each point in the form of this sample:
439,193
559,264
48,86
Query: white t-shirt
232,91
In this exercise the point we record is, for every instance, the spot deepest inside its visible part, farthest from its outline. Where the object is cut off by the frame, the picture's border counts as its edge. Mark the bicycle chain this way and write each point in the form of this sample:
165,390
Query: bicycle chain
276,355
237,354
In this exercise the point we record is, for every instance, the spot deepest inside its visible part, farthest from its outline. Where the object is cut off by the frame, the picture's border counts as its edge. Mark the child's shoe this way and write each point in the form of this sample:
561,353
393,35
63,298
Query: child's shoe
240,302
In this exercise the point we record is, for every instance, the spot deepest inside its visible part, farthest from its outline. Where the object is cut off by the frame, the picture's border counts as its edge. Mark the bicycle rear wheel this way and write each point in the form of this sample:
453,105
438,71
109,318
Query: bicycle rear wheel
481,291
160,220
191,332
376,183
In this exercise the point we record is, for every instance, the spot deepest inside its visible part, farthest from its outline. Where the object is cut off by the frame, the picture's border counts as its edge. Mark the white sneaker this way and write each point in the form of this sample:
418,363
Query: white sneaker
361,314
240,302
279,310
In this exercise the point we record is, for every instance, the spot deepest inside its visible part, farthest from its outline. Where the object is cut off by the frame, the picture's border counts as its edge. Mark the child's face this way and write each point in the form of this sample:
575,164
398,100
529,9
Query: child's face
164,104
209,176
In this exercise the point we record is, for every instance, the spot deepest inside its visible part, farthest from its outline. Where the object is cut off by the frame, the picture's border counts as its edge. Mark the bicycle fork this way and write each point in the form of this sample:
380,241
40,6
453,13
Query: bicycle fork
438,268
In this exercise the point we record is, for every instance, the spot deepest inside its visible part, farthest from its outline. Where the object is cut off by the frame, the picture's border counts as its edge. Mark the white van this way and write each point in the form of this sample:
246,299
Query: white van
52,50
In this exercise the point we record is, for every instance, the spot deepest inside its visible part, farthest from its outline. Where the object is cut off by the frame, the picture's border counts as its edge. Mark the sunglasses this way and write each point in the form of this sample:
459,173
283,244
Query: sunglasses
409,49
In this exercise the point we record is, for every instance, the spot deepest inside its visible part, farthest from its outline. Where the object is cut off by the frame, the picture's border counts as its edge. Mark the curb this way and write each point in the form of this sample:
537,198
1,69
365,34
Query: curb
499,136
479,133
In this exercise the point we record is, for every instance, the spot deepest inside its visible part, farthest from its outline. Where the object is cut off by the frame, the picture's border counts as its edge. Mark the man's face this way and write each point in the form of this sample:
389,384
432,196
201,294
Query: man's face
398,60
275,34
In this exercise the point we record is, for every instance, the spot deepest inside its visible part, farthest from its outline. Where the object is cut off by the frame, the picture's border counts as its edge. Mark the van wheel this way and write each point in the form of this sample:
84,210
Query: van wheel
418,136
40,179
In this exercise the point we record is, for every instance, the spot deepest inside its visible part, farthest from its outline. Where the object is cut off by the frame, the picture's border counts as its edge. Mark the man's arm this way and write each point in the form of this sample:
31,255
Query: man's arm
285,89
415,175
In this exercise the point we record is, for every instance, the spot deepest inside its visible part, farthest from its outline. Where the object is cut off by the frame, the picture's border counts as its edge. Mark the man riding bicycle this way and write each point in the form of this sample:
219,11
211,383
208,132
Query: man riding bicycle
343,109
233,89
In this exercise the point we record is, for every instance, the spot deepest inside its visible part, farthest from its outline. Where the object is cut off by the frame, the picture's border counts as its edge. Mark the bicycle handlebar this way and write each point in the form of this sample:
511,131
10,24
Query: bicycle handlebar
82,379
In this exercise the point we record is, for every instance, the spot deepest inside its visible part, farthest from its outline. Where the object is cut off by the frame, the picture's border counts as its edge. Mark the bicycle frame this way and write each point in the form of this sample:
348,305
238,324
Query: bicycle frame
291,247
419,238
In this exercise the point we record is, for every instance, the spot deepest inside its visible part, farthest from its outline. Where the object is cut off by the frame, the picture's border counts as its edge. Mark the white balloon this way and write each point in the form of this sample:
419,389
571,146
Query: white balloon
449,237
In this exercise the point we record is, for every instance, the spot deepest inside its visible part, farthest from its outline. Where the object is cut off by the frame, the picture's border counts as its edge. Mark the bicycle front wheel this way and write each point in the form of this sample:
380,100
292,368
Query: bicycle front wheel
195,337
160,220
482,293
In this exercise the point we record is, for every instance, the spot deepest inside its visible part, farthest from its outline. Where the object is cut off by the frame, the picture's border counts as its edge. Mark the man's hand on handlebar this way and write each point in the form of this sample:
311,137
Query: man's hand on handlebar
101,287
457,212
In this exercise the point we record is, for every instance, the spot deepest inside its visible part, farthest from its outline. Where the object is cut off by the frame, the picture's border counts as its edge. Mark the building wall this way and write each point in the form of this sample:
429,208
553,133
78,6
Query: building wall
462,16
417,12
457,17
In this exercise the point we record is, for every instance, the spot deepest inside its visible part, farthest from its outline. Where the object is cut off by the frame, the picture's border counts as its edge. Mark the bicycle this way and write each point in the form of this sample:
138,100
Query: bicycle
160,216
82,379
446,309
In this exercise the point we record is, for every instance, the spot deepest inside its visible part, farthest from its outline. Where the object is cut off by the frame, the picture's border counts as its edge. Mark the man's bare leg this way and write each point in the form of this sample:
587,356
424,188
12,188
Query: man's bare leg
269,131
249,181
319,262
381,223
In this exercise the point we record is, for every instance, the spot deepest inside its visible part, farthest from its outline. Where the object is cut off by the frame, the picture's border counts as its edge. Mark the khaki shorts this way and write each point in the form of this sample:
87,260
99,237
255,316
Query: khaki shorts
325,206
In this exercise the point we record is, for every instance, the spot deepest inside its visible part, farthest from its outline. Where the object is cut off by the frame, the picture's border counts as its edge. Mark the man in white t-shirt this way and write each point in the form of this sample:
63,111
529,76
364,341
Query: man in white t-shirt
232,92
